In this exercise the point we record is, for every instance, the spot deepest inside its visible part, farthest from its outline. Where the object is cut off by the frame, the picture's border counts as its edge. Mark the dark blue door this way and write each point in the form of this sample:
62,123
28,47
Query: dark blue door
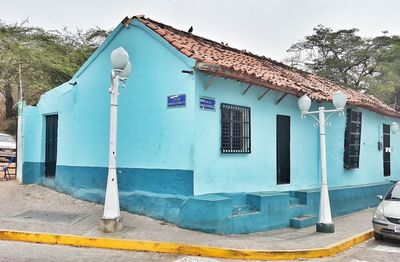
283,149
51,145
386,150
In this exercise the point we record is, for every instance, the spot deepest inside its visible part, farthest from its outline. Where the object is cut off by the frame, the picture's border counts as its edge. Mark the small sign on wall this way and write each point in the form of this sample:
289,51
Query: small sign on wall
207,103
176,101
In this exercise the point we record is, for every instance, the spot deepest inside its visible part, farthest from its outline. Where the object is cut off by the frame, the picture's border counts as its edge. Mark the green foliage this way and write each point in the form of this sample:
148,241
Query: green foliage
386,84
362,63
47,58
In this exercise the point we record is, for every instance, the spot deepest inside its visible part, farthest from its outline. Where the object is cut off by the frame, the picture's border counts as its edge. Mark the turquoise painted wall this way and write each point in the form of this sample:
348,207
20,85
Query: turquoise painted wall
167,155
216,172
150,136
32,129
371,159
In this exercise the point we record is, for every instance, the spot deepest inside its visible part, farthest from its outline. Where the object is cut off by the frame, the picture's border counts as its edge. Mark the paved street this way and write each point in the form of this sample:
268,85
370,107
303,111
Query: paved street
20,252
36,208
370,251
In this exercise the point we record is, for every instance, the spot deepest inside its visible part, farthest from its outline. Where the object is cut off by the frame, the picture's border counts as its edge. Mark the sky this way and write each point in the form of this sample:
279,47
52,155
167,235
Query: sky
267,27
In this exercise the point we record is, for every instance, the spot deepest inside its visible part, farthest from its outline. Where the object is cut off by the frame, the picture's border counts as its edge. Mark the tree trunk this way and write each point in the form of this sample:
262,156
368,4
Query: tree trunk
9,100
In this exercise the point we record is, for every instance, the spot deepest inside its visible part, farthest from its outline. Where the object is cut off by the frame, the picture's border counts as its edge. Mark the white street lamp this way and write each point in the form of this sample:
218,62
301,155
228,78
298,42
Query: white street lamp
126,71
121,68
119,58
395,128
339,100
325,223
304,104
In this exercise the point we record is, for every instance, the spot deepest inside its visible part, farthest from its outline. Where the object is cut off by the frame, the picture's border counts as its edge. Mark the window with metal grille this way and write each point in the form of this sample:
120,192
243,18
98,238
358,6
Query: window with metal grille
235,129
352,139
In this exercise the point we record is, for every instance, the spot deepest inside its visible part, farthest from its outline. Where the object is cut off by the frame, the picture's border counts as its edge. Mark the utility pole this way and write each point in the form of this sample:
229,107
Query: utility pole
21,96
20,130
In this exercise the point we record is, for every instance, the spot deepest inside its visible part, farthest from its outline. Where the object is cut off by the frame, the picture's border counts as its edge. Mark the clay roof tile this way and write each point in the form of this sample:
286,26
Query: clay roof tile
248,67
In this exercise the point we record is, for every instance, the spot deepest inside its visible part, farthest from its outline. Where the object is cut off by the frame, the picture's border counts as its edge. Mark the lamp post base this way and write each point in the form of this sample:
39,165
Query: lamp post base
325,228
111,225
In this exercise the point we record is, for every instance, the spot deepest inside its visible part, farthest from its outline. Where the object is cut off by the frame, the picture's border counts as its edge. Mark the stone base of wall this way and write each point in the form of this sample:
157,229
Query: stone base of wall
223,213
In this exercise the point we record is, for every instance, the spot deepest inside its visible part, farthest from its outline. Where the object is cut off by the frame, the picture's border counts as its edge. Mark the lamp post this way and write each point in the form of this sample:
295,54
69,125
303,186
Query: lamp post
121,68
20,137
325,223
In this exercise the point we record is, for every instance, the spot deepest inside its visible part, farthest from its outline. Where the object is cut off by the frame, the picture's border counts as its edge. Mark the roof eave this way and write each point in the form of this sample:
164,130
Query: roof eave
219,70
243,77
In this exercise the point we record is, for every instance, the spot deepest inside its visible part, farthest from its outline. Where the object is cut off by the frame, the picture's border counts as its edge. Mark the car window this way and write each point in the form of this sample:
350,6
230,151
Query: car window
394,194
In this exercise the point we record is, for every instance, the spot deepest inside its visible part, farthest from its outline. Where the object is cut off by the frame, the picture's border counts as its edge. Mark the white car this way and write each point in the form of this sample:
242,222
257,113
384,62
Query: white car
386,221
7,146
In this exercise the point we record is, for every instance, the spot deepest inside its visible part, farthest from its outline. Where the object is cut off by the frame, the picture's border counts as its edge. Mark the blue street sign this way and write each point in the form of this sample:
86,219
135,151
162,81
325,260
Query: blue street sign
176,101
207,103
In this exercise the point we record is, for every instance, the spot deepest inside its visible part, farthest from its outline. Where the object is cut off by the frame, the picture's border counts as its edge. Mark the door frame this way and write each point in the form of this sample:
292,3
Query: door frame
386,154
52,173
279,179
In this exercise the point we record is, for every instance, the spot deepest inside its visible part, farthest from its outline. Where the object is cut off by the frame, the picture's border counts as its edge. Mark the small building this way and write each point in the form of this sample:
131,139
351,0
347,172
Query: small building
209,137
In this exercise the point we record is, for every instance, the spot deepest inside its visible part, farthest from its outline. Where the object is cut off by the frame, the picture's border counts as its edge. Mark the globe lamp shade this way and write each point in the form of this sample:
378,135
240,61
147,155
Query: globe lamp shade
119,58
127,70
395,128
304,103
339,99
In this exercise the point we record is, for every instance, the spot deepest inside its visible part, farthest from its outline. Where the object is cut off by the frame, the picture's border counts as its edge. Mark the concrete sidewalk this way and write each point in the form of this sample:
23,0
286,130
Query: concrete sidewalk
39,209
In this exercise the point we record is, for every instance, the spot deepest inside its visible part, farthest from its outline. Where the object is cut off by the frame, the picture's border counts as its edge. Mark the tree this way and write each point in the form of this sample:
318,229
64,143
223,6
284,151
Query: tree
47,58
362,63
386,84
341,56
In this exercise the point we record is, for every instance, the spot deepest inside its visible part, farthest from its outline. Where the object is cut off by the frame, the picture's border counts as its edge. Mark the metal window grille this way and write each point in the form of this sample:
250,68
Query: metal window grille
352,139
235,129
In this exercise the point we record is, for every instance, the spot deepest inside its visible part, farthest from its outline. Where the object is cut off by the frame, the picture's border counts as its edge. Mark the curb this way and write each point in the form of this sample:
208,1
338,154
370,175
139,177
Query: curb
181,248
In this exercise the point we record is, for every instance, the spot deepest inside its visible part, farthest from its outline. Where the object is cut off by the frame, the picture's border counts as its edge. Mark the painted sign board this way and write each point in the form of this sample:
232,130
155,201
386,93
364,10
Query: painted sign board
176,101
207,103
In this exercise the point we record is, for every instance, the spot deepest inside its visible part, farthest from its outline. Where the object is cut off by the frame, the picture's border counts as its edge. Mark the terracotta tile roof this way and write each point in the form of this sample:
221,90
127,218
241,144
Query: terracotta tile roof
222,60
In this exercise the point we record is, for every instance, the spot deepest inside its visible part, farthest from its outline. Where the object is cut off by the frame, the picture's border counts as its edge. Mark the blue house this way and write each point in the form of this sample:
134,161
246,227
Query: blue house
209,137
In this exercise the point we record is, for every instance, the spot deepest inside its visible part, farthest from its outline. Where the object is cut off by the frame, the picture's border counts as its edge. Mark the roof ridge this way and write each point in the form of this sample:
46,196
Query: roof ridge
226,61
220,45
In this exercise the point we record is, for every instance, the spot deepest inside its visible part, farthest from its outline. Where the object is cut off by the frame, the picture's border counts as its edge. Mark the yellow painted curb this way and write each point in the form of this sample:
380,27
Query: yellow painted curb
182,249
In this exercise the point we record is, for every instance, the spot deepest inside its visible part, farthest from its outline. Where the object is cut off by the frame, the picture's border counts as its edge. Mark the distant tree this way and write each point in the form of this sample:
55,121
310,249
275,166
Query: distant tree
341,56
362,63
47,58
386,84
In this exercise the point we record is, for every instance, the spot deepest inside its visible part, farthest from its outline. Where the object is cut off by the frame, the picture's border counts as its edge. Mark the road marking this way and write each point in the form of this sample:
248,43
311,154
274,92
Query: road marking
182,248
356,260
387,249
196,259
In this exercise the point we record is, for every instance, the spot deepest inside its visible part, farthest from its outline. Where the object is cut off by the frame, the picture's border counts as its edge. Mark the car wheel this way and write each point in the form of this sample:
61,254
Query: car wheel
378,236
